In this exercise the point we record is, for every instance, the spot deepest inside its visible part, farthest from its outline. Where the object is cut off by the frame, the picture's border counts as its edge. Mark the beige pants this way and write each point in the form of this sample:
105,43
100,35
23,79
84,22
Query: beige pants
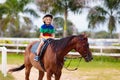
40,45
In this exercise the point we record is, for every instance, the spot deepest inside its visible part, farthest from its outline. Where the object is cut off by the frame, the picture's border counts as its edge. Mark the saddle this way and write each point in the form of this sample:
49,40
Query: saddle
44,47
42,51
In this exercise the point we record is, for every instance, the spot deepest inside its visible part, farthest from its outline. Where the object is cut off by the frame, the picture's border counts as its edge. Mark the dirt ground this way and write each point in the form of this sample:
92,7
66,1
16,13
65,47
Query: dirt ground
97,74
20,75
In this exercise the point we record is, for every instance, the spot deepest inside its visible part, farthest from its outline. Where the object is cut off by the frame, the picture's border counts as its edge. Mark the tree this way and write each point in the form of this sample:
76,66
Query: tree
105,14
61,7
59,22
9,12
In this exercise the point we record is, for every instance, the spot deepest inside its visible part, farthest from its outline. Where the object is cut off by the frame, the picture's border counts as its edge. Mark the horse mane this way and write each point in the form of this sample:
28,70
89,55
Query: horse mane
61,43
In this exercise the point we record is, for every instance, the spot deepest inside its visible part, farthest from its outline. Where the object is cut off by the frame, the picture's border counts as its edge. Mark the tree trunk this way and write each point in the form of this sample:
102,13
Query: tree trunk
1,32
119,37
65,23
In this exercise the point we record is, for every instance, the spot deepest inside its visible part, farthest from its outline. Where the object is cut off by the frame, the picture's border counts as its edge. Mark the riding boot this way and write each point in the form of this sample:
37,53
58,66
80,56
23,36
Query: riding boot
36,58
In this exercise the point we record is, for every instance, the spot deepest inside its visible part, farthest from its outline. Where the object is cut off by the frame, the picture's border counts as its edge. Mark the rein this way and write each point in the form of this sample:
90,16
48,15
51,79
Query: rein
67,67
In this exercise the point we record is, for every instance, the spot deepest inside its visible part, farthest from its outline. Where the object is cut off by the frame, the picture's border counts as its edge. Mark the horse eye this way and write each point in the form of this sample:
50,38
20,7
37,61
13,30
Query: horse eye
86,45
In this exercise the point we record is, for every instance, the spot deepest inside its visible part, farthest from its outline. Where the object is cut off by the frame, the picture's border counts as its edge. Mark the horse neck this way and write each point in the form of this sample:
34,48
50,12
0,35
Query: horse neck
71,45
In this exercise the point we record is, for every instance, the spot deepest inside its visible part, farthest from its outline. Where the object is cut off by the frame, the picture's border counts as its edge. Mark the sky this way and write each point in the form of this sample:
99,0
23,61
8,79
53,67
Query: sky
2,1
79,20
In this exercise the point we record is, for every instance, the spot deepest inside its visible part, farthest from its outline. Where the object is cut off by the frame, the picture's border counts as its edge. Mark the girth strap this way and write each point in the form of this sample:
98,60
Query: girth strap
42,52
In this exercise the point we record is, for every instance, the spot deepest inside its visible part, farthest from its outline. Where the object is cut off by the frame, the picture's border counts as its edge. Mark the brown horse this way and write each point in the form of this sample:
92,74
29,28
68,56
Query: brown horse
53,58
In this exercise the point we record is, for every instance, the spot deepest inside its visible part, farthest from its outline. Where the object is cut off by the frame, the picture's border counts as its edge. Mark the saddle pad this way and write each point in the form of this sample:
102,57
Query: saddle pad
43,48
34,47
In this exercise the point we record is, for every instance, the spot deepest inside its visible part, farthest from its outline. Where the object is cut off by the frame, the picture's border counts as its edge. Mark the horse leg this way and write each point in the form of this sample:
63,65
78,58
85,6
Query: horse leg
41,74
57,75
27,71
49,75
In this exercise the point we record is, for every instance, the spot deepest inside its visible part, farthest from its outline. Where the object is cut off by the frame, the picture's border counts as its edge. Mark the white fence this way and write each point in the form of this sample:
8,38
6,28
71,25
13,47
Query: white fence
4,61
16,42
94,44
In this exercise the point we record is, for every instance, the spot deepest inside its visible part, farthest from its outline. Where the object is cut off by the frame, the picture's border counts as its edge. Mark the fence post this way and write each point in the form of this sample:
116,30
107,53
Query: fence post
101,50
101,47
4,61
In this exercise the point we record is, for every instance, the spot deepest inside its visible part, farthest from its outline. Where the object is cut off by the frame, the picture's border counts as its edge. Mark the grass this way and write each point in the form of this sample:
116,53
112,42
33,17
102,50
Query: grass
8,77
98,62
13,58
101,68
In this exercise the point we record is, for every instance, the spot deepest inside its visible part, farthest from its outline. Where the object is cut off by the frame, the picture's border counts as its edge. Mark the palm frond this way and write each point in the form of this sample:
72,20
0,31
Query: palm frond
32,12
4,9
27,20
16,22
112,4
4,23
96,16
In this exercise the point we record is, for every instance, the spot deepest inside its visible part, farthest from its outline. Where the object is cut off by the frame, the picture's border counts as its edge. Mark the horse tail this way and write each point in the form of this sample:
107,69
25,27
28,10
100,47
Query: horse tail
17,69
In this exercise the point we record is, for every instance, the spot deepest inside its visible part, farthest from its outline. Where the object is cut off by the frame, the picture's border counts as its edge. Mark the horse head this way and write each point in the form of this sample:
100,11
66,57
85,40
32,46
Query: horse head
82,46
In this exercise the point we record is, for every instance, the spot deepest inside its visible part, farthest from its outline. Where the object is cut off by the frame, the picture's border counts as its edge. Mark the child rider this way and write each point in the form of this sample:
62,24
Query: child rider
46,31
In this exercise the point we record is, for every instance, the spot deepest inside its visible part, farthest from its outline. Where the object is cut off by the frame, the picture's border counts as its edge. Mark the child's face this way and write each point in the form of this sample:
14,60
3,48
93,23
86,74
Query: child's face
47,20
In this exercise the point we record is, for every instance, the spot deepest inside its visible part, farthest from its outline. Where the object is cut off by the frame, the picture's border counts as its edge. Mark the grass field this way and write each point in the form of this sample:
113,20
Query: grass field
97,62
14,58
101,68
8,77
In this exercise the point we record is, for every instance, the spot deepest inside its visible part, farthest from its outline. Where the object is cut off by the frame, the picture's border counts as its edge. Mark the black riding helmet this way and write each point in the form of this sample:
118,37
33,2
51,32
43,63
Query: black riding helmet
48,15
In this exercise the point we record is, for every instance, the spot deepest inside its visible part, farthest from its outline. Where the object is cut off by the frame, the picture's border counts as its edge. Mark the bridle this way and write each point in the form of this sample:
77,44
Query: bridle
68,65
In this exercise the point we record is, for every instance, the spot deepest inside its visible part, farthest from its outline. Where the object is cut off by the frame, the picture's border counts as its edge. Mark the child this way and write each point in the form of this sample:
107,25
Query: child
47,31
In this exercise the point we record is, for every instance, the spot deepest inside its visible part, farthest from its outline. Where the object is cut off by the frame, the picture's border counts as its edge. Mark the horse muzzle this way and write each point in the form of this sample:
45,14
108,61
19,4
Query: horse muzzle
88,58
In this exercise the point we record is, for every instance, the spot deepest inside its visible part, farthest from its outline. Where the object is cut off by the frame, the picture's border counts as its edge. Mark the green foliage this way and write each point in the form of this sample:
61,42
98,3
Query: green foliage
6,41
12,8
105,14
23,31
31,11
101,34
104,34
117,44
25,42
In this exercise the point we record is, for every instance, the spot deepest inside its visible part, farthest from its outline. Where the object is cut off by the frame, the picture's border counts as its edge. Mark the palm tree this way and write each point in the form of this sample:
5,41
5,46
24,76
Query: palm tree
10,10
61,7
105,14
59,23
